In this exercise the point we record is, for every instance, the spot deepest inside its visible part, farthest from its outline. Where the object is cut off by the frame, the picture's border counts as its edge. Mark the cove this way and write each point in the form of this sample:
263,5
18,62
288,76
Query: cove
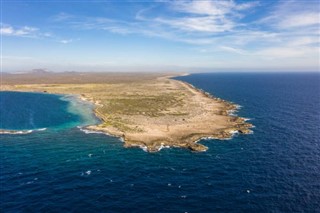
29,111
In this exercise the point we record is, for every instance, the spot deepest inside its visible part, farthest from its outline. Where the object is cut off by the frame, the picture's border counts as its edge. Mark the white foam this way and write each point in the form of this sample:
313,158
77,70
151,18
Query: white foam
251,132
205,138
238,106
21,132
224,139
232,112
16,132
88,172
233,132
144,148
25,131
162,146
87,131
214,138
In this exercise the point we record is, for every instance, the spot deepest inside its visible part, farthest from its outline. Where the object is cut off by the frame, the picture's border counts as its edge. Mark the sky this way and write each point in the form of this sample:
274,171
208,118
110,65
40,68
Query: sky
160,35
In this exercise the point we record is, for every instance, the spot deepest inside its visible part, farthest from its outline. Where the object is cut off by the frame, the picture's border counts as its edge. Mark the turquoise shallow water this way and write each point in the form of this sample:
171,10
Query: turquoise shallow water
276,169
29,111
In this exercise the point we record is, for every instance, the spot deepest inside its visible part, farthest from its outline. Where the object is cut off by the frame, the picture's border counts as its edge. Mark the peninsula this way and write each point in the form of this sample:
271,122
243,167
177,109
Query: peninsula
147,110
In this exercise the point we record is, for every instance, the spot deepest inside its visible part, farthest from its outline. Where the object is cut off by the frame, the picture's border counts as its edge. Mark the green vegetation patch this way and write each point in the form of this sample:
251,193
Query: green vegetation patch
142,105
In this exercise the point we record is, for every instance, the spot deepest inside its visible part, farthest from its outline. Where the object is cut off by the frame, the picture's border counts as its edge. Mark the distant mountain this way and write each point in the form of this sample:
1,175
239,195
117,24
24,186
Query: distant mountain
5,73
39,71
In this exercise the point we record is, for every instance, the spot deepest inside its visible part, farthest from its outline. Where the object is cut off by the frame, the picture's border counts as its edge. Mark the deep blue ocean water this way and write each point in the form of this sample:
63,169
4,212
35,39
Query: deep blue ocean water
62,169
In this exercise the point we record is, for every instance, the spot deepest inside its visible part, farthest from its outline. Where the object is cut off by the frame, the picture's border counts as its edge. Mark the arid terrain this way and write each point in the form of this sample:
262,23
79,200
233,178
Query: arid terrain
147,110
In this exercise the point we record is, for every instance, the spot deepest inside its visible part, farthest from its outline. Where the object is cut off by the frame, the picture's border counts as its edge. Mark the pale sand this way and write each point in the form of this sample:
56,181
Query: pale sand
150,111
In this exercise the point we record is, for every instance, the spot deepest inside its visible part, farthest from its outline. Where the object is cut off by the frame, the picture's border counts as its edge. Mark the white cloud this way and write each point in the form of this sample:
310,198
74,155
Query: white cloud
285,30
293,14
210,7
300,20
47,34
8,30
118,29
217,8
66,41
205,16
25,31
100,23
233,50
198,24
304,40
281,52
192,21
248,5
61,17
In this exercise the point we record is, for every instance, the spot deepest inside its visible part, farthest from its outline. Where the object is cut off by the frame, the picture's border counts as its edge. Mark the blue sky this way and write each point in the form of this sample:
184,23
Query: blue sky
160,35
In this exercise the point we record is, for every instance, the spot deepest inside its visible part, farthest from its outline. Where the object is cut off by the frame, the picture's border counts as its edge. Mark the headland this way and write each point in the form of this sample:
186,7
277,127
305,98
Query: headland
147,110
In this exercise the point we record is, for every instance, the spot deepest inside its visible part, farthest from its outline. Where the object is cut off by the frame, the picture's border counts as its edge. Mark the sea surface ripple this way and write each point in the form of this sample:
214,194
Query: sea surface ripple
276,169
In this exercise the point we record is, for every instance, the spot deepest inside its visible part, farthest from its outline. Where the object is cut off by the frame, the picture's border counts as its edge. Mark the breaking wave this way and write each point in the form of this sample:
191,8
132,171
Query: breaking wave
20,132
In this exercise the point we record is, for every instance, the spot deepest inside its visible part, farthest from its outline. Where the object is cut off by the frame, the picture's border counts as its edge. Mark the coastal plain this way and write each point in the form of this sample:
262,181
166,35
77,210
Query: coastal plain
147,110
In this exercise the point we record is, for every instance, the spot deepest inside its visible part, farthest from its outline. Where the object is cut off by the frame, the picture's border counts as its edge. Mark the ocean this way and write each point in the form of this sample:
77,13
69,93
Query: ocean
60,168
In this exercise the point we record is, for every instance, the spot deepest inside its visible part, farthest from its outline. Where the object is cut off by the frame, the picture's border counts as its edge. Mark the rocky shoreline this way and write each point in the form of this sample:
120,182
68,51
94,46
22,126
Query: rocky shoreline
191,141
